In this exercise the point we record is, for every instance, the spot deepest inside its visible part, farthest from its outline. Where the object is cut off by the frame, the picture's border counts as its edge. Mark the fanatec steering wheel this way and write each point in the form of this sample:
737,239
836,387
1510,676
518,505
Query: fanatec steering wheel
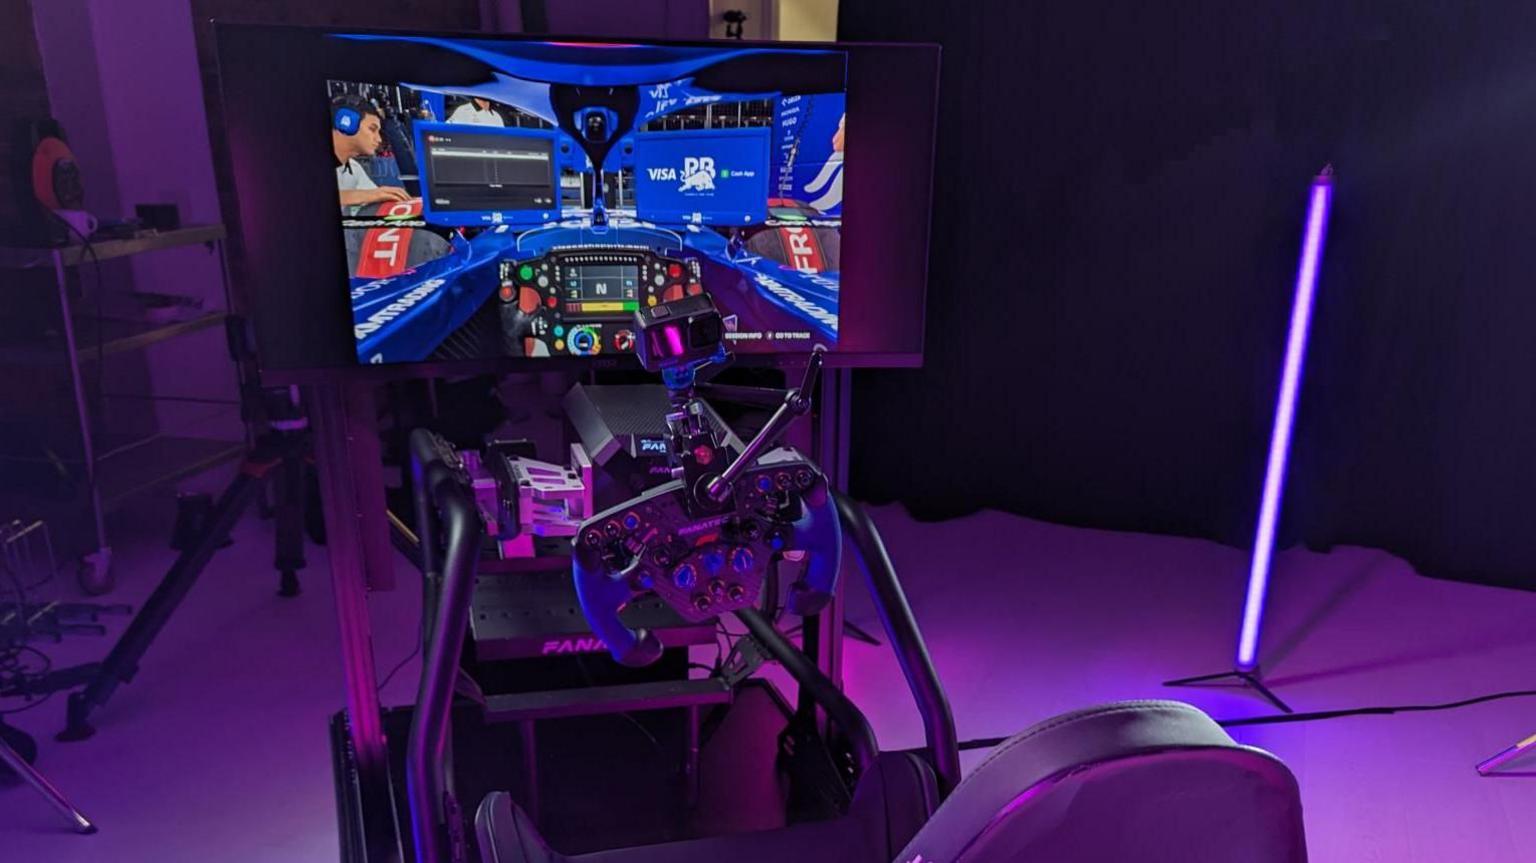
704,541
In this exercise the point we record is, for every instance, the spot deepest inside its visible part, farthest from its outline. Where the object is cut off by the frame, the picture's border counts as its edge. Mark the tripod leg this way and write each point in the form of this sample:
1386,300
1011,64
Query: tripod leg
1258,686
40,783
123,662
1249,679
1203,678
1510,754
290,521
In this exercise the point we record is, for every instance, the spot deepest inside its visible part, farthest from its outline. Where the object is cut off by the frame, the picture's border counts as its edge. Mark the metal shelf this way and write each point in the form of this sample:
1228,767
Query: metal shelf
128,464
72,255
134,466
118,336
156,462
121,335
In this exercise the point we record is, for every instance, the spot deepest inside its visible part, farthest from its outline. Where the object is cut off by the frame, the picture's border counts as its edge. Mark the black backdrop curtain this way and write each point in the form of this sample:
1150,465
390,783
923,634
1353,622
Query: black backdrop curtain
1119,202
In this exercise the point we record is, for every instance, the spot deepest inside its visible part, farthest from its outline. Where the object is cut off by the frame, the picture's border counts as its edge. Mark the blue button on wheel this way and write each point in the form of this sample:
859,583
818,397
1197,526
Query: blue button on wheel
741,559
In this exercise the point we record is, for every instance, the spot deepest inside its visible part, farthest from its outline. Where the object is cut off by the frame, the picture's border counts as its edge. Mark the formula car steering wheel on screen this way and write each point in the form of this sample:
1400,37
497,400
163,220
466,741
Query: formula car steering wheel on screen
704,541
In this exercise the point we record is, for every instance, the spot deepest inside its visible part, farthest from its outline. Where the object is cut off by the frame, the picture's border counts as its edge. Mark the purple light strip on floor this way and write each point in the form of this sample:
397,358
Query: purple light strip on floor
1285,414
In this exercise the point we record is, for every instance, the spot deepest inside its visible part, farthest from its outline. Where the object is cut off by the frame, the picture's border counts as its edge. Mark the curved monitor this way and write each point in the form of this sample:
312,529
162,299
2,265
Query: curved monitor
430,204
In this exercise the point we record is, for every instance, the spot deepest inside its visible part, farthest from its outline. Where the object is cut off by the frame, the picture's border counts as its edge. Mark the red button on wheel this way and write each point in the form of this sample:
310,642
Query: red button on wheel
550,301
674,270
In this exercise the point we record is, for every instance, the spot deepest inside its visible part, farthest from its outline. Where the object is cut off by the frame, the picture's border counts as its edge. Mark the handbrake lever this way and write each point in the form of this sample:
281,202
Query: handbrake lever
796,403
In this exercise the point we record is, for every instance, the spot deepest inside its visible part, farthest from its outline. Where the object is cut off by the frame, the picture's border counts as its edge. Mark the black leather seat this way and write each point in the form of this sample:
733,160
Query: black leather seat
1138,780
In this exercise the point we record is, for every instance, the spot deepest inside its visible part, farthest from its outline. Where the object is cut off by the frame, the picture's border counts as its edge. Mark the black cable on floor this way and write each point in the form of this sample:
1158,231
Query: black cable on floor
1373,711
991,742
16,677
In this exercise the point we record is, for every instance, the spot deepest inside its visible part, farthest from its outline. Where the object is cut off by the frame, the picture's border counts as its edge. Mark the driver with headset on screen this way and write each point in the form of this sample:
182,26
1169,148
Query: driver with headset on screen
355,132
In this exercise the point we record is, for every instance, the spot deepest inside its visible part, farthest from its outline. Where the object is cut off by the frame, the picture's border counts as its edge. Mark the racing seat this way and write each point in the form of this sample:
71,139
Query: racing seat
1135,780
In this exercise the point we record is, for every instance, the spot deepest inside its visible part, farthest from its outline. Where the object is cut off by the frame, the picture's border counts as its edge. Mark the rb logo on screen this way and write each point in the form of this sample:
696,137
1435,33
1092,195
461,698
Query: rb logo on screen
698,174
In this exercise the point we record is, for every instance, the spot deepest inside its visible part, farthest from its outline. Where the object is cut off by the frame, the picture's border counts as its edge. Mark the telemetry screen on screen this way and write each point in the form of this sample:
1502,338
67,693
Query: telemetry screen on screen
531,212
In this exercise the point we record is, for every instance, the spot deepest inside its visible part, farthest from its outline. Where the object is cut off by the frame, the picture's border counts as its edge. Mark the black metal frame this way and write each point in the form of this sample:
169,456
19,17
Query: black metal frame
434,823
444,503
906,640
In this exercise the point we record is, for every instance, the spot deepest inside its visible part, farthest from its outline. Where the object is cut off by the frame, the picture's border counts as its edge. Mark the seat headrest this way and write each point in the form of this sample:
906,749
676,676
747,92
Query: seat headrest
1116,782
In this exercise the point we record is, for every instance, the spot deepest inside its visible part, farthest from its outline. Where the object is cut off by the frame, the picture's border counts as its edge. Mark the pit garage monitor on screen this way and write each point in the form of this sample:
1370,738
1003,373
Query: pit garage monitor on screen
532,212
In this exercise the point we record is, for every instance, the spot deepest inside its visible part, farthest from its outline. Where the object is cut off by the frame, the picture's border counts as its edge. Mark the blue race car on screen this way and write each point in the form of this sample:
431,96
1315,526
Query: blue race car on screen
630,175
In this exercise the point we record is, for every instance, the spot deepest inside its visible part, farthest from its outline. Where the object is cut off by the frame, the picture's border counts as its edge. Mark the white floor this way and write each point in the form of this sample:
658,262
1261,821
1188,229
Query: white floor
218,750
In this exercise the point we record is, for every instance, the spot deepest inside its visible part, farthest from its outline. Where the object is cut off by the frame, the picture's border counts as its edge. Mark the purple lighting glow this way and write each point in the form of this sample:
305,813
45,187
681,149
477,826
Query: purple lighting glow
1285,414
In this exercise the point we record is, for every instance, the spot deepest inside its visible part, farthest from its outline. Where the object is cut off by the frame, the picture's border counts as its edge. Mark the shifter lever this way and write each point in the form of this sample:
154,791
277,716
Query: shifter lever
796,403
812,375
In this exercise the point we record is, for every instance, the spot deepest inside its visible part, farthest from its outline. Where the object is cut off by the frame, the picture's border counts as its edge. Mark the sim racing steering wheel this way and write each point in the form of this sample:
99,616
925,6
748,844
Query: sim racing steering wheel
704,541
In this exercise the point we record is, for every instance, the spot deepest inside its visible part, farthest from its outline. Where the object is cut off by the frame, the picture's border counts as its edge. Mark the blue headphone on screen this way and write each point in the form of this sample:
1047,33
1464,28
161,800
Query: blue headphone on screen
347,114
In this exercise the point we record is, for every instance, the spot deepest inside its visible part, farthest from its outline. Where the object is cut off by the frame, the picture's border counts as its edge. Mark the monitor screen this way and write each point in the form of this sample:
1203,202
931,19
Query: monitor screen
505,199
486,177
704,177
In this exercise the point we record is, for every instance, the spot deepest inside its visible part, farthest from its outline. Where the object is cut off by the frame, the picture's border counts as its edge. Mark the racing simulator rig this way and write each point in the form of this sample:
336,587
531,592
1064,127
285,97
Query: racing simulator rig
671,208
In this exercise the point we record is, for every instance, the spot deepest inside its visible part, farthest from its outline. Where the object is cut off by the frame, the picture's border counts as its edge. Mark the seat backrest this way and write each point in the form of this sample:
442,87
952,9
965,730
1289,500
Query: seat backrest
1148,781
